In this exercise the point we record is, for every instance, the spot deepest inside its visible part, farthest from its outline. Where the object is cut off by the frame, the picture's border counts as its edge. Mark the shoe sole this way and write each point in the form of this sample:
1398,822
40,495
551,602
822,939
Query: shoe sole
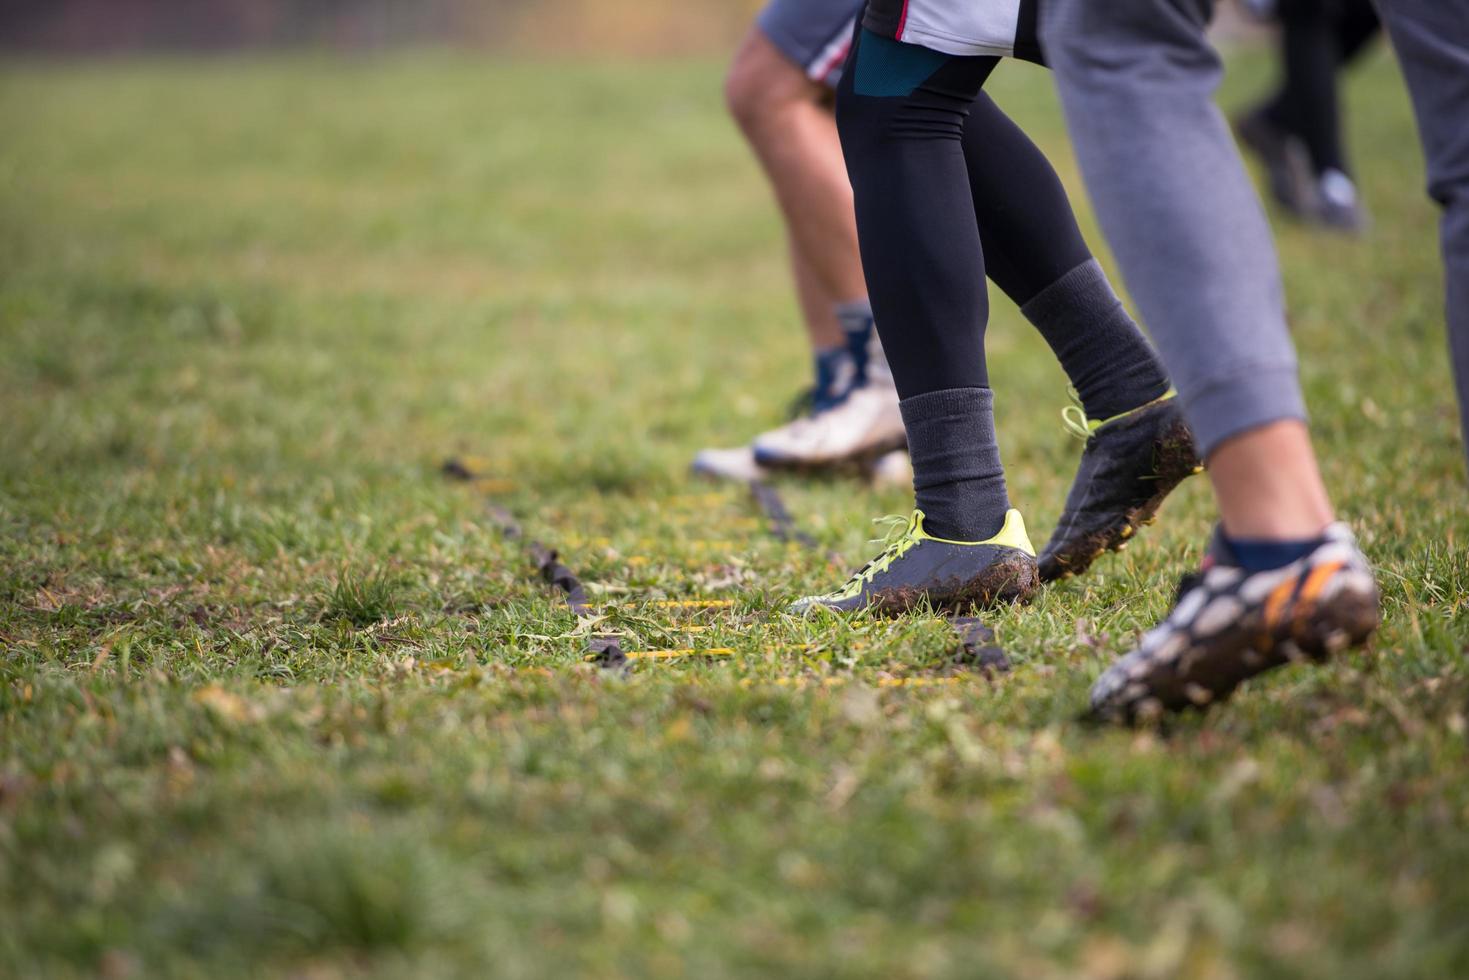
1209,672
1011,580
717,475
856,462
1176,461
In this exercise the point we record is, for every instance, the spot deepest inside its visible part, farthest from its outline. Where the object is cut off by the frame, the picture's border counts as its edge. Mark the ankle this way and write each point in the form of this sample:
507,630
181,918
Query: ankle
1268,485
958,523
1262,555
958,478
1110,364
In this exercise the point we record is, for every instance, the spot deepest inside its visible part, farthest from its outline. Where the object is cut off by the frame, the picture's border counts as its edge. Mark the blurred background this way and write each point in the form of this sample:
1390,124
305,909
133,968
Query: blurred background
116,26
649,27
277,699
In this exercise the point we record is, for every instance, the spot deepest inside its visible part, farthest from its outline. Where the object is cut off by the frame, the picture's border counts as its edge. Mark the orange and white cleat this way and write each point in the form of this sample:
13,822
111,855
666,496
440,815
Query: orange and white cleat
1230,624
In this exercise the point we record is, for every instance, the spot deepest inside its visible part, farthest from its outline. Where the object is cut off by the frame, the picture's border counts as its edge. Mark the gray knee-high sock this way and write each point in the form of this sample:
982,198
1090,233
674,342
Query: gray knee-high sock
1110,363
957,475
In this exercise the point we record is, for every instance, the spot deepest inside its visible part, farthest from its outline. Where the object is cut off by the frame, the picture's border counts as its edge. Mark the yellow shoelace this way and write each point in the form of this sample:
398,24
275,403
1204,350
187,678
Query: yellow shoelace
898,539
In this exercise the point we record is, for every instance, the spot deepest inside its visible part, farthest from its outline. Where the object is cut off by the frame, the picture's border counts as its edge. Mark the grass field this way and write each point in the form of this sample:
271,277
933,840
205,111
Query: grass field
276,696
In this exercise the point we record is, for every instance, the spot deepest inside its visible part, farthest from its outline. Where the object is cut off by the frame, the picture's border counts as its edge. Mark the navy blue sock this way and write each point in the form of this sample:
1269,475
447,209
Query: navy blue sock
836,374
856,320
1260,556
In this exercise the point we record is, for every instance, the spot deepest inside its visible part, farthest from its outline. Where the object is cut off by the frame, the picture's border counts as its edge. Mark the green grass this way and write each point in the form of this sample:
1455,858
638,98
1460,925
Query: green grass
275,696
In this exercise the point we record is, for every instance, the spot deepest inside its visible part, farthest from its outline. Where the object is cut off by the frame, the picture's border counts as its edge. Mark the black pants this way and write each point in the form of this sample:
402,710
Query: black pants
943,158
1319,38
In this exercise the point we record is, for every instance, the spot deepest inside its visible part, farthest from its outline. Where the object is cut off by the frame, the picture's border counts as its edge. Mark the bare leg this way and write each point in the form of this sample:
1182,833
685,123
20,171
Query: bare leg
1202,267
1137,79
1268,485
817,302
784,118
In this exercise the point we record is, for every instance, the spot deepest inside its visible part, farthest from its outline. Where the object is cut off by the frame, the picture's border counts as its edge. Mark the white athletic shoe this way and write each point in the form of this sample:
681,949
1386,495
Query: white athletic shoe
895,471
860,426
864,427
729,464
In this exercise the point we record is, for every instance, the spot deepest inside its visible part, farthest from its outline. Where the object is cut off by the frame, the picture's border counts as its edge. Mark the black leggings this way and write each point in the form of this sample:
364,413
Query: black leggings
910,159
1318,39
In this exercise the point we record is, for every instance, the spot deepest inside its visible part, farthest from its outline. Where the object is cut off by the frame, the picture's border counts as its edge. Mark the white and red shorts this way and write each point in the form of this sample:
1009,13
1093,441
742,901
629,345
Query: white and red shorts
814,34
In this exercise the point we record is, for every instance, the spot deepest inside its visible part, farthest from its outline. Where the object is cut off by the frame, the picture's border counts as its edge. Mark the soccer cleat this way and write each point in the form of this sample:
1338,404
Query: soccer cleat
737,464
915,568
865,426
849,418
1229,625
859,429
892,471
1337,206
1130,464
1286,160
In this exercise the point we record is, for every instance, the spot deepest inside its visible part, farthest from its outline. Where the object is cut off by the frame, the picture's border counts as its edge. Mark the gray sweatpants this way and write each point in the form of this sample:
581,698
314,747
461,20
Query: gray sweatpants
1137,81
1432,42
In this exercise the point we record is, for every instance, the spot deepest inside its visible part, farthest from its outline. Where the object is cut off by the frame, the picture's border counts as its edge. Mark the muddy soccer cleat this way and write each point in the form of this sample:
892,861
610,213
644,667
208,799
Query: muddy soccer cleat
1230,624
1130,464
916,568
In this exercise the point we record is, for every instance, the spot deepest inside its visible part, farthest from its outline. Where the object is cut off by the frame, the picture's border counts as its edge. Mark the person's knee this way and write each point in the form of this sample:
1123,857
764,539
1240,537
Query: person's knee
761,82
744,94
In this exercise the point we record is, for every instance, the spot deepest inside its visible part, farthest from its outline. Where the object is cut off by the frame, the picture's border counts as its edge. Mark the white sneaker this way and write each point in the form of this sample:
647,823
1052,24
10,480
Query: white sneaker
1337,205
892,471
865,426
729,464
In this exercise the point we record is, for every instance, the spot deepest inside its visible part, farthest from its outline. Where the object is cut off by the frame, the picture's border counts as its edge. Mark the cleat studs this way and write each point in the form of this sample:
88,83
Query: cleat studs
1127,531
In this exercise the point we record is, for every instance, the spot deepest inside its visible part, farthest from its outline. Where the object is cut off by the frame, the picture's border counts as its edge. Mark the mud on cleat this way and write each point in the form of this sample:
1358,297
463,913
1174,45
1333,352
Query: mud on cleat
1131,463
1229,625
915,568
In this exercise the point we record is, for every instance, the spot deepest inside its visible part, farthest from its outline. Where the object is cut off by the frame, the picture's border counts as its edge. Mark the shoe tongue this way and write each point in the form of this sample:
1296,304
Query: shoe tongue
857,324
836,375
1219,551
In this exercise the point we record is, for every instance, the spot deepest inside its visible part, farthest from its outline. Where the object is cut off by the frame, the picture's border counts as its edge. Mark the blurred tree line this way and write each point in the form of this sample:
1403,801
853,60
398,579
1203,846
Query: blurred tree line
630,27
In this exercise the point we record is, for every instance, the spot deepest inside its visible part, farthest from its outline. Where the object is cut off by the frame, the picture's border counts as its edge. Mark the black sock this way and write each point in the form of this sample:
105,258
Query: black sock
957,475
1110,363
